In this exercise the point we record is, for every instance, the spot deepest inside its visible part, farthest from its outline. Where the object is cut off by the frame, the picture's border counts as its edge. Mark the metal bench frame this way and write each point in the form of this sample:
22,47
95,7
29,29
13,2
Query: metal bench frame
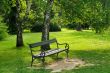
45,53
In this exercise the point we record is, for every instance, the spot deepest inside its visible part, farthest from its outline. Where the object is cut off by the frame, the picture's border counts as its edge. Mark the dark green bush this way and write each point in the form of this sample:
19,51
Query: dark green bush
38,27
78,26
54,27
3,28
3,32
72,26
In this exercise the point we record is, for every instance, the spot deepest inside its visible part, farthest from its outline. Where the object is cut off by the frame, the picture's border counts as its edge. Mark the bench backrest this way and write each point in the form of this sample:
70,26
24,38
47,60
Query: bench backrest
42,43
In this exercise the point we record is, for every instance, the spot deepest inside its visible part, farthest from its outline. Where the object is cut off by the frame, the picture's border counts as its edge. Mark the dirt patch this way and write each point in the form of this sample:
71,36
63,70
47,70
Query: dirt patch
65,64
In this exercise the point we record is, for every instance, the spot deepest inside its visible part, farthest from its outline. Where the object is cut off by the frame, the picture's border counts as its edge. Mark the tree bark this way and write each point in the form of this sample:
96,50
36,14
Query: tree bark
28,4
45,30
19,41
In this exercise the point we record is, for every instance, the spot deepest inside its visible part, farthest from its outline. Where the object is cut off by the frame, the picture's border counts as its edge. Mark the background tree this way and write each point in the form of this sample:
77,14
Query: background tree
19,41
45,30
19,21
93,13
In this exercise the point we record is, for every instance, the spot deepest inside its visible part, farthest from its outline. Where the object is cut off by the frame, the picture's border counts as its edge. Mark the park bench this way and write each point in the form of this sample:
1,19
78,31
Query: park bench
44,53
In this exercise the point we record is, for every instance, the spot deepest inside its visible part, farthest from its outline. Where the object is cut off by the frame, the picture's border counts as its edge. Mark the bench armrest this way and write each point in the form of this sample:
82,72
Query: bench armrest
66,45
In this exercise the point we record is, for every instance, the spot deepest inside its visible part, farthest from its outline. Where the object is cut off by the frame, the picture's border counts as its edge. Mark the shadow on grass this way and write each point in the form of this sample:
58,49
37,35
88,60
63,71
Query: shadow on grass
92,54
100,59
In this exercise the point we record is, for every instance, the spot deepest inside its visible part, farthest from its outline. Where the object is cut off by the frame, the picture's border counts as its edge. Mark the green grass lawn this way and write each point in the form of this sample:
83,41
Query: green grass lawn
87,45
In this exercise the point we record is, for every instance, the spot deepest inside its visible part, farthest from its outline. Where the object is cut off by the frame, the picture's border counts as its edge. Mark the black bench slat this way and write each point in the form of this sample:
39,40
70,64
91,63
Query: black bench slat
42,43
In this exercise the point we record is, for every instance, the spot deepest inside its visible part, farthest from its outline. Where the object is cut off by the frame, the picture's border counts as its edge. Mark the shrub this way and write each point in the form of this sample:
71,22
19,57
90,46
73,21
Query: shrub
55,27
3,28
72,26
2,35
3,32
38,27
78,26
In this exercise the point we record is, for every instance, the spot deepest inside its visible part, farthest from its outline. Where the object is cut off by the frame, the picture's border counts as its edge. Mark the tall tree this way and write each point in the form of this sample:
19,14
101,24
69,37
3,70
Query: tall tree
19,22
19,41
45,30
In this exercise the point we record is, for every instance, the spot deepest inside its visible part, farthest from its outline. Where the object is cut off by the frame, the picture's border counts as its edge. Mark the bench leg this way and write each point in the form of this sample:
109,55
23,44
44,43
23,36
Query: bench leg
67,51
57,55
32,61
43,60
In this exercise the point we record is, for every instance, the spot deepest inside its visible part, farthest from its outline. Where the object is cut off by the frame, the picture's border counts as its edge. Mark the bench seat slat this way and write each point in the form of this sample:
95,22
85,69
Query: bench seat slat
50,52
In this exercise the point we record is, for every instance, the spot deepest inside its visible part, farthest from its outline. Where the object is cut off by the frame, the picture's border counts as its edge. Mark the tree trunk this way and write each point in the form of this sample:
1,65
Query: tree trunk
79,28
19,37
19,41
45,30
28,4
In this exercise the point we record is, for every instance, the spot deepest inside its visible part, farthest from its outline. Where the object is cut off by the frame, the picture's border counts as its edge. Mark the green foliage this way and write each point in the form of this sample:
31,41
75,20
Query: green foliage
96,13
93,12
4,6
3,32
